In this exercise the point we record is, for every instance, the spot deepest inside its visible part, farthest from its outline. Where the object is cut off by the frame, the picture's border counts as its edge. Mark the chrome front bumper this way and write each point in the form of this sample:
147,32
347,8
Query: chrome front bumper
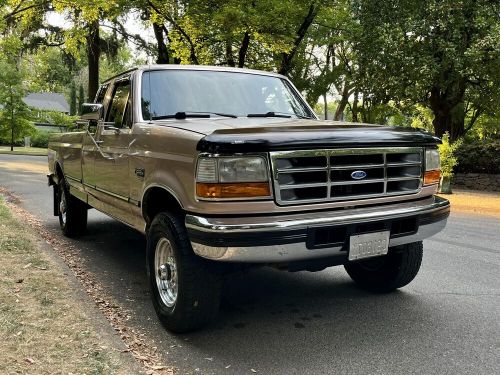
287,238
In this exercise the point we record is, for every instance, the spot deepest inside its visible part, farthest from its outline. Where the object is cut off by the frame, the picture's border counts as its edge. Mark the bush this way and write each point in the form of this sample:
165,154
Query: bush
447,153
479,156
40,139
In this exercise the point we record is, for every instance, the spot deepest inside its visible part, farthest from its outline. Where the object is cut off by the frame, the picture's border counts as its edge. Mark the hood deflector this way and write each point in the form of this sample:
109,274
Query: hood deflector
311,137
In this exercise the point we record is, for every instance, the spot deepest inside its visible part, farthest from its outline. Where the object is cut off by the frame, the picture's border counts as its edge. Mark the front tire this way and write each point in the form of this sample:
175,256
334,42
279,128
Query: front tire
72,212
390,272
185,288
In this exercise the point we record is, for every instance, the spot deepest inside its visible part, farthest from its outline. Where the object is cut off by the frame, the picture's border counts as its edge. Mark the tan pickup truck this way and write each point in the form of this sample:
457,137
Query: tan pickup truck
224,167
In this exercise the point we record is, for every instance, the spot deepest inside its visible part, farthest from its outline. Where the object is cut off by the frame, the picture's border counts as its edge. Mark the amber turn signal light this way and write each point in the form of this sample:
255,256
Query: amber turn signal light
432,177
233,190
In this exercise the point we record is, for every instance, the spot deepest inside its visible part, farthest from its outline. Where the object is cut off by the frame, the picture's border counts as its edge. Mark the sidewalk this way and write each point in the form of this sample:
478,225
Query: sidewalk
33,151
474,201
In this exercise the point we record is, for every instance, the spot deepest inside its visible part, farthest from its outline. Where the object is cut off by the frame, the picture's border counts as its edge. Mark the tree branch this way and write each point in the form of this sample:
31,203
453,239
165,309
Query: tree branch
192,49
477,113
286,62
18,10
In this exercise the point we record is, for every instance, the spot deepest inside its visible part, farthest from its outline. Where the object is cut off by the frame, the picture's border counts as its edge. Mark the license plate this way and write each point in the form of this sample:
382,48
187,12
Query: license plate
368,245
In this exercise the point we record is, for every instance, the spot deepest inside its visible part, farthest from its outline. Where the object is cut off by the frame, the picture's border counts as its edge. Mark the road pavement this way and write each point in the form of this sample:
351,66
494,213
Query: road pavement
447,321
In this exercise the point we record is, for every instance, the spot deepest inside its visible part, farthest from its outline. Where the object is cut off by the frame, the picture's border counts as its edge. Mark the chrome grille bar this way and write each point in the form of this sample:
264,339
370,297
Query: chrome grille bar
297,176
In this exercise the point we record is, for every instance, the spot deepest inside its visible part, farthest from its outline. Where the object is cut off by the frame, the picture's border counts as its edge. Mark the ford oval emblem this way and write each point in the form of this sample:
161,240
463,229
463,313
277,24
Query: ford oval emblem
358,175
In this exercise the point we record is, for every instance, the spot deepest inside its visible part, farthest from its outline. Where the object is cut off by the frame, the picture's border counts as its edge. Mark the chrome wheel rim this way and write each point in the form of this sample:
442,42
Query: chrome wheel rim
166,272
63,207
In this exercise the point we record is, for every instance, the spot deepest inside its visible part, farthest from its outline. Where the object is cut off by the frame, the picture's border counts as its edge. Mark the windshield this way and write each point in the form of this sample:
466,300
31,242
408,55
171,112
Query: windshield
166,92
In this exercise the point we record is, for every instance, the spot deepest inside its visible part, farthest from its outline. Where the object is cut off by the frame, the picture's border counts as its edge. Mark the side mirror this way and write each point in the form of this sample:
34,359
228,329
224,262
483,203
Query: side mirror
92,112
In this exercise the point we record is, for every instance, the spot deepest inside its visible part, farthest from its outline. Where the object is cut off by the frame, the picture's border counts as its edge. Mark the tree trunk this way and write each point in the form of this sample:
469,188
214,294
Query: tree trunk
229,54
449,116
242,54
161,47
93,55
339,112
326,106
355,108
81,98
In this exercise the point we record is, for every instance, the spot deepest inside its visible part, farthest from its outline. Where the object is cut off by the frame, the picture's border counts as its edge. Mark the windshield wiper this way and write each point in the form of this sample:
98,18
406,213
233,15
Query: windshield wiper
269,114
278,114
191,114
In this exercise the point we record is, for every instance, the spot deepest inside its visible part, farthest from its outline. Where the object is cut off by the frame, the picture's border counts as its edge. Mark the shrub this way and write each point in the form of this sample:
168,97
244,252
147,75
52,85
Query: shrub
40,139
479,156
447,152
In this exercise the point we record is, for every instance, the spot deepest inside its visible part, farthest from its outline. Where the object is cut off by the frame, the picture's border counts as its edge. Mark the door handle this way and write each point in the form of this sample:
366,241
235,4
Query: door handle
99,142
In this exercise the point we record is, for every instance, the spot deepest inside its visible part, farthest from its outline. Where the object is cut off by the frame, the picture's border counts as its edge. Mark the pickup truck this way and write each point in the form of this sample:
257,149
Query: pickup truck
225,168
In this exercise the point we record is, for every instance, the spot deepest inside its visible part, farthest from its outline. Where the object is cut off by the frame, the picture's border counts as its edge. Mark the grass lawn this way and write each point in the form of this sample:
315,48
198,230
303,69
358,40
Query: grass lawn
23,150
44,328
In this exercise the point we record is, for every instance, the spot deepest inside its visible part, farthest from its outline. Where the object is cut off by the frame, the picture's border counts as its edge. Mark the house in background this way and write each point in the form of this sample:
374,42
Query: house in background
47,101
40,102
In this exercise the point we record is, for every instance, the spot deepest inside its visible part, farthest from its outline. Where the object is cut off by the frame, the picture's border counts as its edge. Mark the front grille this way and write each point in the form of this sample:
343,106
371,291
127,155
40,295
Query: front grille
314,176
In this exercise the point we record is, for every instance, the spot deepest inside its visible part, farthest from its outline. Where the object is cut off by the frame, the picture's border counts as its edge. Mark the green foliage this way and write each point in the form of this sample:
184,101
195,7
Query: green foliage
40,139
486,127
214,32
444,54
57,118
447,152
14,114
121,61
428,64
47,71
479,156
422,118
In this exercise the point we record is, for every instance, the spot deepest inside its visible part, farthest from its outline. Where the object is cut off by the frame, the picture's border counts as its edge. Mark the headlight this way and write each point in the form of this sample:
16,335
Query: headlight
232,177
432,167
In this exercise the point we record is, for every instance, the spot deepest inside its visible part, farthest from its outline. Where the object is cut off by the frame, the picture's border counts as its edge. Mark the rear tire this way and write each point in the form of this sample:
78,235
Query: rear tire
185,288
390,272
72,212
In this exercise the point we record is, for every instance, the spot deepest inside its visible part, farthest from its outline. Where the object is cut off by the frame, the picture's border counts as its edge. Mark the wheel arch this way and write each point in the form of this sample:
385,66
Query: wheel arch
158,198
58,171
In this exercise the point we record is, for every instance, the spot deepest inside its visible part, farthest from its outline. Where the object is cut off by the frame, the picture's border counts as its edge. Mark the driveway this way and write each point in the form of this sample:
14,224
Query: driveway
447,321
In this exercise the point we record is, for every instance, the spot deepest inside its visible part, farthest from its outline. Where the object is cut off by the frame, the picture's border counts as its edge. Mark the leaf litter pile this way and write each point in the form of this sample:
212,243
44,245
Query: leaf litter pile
135,341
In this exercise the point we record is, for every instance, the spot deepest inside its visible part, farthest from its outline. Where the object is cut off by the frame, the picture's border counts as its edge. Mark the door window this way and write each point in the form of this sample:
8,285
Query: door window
119,112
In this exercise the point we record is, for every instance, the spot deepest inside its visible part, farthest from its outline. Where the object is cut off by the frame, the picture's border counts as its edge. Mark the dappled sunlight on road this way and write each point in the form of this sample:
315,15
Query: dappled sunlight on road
23,166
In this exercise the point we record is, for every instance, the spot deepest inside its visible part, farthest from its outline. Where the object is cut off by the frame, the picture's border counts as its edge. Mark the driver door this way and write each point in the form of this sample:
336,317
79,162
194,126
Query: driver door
111,159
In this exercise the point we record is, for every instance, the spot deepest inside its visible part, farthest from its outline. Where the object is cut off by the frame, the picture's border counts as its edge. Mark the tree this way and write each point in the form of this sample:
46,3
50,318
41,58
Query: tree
232,32
14,112
444,54
81,98
87,18
72,100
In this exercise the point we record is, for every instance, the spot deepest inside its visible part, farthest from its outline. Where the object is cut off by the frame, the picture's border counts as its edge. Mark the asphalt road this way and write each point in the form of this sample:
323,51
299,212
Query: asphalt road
447,321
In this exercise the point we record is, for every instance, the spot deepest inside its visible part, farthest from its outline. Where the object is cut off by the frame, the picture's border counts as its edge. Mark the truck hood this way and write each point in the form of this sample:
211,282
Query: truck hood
276,134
